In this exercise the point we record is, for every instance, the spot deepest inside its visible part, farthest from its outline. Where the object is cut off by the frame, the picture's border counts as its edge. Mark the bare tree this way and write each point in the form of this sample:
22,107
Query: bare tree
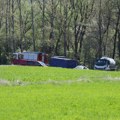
82,11
116,28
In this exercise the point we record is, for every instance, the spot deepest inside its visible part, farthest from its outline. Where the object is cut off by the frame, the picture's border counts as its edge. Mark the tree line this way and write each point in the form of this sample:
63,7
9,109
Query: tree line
81,29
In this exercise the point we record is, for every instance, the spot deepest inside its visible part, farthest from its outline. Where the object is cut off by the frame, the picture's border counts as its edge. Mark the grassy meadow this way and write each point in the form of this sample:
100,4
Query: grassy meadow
46,93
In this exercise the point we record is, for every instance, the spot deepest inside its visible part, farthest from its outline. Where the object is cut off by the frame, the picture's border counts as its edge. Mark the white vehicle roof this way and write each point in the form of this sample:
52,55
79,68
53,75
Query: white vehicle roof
111,60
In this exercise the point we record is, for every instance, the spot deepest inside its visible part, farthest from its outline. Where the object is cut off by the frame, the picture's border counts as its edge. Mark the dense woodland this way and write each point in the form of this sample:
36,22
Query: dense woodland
81,29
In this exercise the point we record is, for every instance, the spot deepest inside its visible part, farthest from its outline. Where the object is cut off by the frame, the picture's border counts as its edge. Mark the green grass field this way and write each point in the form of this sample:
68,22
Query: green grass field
46,93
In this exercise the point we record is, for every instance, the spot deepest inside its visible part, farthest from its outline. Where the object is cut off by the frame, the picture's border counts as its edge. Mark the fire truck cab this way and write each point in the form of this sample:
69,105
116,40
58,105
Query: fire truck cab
30,58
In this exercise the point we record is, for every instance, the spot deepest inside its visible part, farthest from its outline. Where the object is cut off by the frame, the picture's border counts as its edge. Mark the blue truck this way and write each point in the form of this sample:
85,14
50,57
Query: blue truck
61,61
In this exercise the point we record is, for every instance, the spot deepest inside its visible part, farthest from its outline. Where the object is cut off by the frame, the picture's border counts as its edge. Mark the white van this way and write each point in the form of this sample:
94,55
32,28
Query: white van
105,63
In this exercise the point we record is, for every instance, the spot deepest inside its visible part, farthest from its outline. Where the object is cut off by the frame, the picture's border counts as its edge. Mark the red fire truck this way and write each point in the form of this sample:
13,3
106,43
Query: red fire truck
30,58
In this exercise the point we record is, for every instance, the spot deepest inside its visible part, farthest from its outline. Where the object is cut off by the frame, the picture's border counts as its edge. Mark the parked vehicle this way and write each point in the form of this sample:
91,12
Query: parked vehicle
61,61
105,63
81,67
30,58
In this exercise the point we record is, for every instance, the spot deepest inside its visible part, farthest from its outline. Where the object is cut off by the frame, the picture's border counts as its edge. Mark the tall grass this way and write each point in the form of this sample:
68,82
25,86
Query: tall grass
35,74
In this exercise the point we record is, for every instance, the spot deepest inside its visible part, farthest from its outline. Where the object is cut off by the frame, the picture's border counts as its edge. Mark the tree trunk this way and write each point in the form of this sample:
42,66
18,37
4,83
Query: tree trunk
9,25
20,20
43,22
115,35
13,40
60,31
82,33
52,23
6,23
76,35
100,31
65,27
33,31
119,44
57,43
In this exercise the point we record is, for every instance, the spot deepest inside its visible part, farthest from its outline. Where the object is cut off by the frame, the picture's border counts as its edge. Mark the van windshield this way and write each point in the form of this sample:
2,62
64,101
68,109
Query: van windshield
101,62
